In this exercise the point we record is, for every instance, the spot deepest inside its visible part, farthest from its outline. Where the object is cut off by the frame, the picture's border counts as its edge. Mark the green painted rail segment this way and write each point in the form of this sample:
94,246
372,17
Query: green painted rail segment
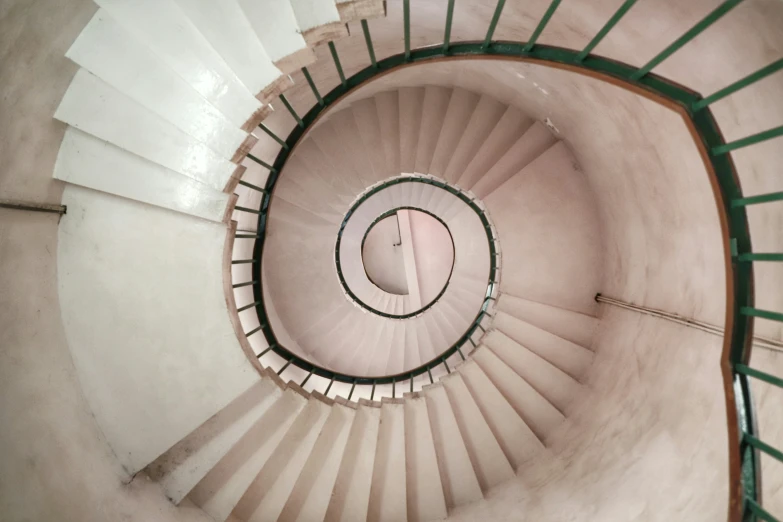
336,58
406,24
248,236
248,306
239,285
273,135
762,376
755,200
761,257
692,33
740,84
260,162
758,511
368,42
312,86
447,32
541,25
254,330
245,209
242,261
764,314
493,24
250,185
605,29
750,140
763,447
291,110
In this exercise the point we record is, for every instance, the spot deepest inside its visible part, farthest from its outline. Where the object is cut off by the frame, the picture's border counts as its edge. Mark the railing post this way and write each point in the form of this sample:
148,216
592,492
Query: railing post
333,50
447,33
291,110
406,23
273,135
605,29
493,24
540,27
368,41
312,86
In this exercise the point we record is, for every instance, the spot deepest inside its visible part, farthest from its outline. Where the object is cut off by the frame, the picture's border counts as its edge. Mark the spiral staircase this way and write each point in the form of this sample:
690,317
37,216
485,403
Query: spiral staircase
194,332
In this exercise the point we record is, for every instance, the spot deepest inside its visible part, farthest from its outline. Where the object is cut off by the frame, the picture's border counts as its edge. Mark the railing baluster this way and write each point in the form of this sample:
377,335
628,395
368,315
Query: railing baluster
394,388
248,306
493,24
740,84
353,386
755,200
306,378
447,33
605,29
251,186
333,50
411,383
697,29
312,86
430,375
264,352
281,370
764,314
273,135
372,393
326,393
248,236
368,41
242,261
254,330
751,372
750,140
240,285
760,512
761,257
448,370
459,351
406,24
260,162
540,27
291,110
762,446
245,209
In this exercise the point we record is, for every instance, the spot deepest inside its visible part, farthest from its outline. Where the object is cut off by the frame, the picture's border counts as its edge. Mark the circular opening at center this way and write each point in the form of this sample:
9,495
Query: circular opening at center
409,252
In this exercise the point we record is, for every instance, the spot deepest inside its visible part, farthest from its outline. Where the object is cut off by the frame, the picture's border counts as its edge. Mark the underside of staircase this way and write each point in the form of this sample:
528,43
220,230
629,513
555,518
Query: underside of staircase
199,337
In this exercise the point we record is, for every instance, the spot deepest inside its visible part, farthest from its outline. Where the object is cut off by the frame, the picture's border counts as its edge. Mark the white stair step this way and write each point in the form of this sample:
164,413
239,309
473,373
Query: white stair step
489,462
396,360
436,102
528,147
572,326
412,351
539,414
313,490
552,383
276,27
183,466
94,107
508,129
190,55
461,106
439,341
365,113
109,52
222,488
267,494
427,350
87,161
477,125
460,484
377,344
313,187
411,100
318,20
426,500
227,29
357,157
388,493
318,162
565,355
516,439
388,105
351,495
352,10
341,160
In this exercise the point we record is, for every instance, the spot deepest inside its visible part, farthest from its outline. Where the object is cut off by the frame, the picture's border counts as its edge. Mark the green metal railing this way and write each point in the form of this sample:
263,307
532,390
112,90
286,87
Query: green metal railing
492,240
745,503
